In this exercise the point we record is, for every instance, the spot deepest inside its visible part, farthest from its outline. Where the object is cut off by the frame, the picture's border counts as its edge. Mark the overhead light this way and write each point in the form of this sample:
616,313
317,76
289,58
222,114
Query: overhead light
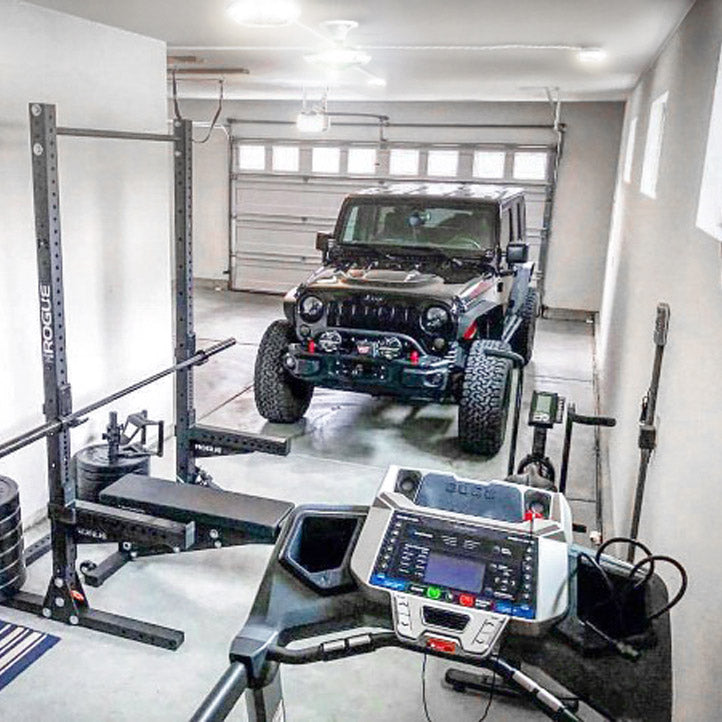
312,122
376,81
265,14
592,55
339,58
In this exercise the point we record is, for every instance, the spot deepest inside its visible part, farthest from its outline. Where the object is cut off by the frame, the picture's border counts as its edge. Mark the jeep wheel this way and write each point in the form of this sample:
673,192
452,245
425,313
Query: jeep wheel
484,404
280,397
523,340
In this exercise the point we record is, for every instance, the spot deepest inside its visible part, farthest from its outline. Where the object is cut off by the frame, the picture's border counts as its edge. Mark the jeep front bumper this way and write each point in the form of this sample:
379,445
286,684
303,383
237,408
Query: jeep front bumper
427,377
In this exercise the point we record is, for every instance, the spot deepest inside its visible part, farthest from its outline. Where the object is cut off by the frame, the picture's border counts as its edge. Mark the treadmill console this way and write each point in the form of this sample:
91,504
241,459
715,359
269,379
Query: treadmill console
459,559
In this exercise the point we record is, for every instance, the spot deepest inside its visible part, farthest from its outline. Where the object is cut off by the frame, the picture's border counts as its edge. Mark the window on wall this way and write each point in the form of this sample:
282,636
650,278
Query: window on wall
629,150
404,161
489,163
252,157
709,210
653,146
326,160
285,158
361,161
443,163
530,166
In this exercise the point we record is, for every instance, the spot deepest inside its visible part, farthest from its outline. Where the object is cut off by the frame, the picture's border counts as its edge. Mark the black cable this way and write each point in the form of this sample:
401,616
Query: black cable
682,587
493,683
423,688
632,542
216,116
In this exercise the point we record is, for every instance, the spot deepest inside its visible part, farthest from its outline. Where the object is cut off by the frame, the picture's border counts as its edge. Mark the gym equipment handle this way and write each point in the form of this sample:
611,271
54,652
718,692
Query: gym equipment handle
39,432
590,420
222,698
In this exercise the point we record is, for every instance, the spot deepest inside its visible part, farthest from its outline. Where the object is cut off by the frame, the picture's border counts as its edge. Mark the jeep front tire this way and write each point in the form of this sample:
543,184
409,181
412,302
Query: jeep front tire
280,397
484,403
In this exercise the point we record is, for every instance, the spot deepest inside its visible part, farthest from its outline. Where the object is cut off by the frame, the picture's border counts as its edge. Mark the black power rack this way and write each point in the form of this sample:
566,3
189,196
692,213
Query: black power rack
155,524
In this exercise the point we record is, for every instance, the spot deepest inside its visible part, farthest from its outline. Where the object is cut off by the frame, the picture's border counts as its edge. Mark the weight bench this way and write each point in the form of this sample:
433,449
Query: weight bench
221,518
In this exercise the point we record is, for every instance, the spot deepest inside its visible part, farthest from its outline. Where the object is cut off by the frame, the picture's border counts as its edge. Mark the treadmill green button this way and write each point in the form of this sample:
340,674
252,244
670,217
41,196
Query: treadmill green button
433,592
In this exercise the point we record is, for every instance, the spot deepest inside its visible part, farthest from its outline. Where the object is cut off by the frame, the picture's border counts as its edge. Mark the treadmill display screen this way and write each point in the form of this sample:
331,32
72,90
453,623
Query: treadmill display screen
455,572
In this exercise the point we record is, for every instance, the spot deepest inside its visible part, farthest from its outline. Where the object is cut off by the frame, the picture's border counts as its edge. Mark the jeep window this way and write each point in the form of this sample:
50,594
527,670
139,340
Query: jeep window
446,226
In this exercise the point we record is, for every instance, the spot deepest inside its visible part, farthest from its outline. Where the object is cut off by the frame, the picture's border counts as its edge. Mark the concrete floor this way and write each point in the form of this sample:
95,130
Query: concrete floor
338,456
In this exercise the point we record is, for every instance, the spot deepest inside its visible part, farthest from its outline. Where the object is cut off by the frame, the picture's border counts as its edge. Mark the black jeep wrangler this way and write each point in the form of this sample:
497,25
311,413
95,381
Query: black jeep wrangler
417,280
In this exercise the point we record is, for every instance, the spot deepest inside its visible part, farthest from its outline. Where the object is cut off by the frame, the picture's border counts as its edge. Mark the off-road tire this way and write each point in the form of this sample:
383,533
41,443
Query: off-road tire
484,403
280,397
523,340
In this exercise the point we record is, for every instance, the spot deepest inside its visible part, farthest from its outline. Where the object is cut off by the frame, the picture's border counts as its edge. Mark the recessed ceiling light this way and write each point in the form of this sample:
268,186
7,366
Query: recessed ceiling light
376,82
592,55
339,58
265,14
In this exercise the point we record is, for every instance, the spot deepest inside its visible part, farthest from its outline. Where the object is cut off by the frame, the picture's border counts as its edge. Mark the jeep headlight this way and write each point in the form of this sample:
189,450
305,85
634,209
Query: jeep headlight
435,318
311,308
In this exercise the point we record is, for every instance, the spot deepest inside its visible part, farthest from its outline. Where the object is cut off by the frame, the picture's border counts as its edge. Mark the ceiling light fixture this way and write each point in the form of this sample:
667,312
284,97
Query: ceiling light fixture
265,14
592,55
376,82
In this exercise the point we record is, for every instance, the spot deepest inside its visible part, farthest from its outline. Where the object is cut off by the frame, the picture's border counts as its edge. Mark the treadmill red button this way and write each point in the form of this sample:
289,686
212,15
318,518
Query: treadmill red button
441,645
466,600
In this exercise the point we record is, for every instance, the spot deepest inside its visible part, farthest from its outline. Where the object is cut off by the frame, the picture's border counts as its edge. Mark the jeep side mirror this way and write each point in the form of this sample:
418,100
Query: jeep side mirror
517,253
323,241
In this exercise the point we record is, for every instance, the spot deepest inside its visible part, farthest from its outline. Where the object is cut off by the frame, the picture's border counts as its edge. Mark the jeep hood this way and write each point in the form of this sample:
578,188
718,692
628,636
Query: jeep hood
379,280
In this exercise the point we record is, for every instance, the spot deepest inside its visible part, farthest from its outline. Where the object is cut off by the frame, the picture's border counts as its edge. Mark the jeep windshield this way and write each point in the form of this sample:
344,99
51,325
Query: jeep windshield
449,227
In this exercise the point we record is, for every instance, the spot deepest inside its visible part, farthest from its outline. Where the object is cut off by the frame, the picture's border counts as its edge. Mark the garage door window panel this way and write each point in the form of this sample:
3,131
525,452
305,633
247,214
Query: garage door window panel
252,157
326,160
361,161
404,162
489,164
443,163
530,166
285,158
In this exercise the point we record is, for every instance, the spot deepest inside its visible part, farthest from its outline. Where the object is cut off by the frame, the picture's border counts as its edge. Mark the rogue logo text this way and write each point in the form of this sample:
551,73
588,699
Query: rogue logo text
46,322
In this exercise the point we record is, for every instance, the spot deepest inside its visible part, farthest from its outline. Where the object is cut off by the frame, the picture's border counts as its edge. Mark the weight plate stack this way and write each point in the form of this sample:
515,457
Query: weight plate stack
94,470
12,561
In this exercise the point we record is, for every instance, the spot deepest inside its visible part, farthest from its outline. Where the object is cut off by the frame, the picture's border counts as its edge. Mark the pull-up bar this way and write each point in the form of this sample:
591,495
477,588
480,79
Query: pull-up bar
119,134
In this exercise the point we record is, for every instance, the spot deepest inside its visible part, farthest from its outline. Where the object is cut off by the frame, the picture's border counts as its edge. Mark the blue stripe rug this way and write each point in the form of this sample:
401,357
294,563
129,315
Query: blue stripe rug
19,648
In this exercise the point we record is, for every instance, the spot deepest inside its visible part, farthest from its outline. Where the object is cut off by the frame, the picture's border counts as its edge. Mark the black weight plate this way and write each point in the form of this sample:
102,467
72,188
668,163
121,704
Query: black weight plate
9,557
11,538
9,498
10,522
13,577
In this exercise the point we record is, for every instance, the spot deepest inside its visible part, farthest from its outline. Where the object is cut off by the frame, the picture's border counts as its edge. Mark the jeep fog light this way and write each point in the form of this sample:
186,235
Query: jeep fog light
289,362
390,348
330,341
439,343
311,309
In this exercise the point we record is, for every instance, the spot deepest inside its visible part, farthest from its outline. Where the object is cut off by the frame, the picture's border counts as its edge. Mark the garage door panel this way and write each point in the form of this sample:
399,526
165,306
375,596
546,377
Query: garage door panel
276,216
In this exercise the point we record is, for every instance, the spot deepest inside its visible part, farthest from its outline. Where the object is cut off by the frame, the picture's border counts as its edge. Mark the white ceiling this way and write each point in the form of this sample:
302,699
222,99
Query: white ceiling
630,31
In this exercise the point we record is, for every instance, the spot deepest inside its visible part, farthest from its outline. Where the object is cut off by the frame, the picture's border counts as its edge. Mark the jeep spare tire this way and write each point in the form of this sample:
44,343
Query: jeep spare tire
280,397
523,340
485,395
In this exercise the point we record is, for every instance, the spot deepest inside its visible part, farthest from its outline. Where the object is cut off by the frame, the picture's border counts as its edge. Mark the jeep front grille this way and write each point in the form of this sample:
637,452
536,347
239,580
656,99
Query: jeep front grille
358,313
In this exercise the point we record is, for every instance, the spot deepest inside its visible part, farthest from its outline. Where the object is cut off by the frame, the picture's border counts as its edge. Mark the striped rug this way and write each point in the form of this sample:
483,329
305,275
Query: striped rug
19,648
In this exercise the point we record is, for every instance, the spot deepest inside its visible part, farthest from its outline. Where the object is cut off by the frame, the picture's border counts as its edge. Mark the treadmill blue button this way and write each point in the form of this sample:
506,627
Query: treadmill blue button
524,611
503,607
381,581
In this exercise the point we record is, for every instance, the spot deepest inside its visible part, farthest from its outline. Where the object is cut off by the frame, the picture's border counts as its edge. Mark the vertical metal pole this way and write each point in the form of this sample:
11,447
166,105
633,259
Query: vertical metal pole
266,704
185,340
57,403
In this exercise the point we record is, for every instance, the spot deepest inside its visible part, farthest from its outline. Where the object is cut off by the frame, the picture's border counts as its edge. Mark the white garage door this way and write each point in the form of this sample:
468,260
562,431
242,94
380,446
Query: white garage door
283,192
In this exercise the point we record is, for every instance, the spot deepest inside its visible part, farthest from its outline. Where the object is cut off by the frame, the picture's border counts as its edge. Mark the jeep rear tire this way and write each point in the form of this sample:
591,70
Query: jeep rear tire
484,404
523,340
280,397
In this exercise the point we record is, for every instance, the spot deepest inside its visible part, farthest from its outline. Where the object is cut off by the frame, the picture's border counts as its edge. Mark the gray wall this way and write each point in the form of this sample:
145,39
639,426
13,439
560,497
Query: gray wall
657,254
115,208
582,213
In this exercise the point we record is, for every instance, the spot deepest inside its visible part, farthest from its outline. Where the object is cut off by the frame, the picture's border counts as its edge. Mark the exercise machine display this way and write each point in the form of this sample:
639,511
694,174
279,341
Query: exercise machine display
458,569
134,524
